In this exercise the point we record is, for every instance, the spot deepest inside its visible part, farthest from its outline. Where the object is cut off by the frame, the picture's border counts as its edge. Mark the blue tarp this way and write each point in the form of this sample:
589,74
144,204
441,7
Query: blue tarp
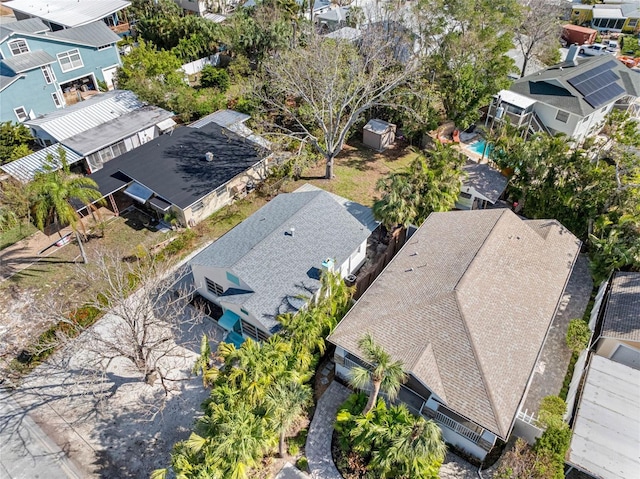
235,339
228,320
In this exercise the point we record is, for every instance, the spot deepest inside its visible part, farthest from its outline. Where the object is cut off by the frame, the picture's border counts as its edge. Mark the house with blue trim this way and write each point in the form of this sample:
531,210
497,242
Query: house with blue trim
42,71
272,262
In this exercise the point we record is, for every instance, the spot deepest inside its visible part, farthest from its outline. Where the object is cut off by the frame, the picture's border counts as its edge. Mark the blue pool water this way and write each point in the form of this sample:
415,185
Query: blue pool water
478,147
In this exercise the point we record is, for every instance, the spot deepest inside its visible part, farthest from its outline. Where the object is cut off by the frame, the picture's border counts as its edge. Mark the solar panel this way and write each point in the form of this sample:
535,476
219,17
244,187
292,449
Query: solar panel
605,95
598,85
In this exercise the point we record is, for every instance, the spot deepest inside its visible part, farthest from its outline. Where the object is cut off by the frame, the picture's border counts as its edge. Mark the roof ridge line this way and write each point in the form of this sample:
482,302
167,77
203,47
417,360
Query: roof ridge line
455,288
478,363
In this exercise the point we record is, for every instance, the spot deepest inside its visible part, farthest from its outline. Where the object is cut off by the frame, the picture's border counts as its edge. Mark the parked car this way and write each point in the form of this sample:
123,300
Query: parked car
594,50
612,45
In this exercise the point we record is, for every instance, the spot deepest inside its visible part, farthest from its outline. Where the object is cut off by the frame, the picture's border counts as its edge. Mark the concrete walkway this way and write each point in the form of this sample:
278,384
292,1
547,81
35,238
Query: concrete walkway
554,361
26,452
318,448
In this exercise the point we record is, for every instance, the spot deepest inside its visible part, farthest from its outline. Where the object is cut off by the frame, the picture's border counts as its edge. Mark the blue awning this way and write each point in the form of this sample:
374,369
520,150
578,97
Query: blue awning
138,192
234,338
228,320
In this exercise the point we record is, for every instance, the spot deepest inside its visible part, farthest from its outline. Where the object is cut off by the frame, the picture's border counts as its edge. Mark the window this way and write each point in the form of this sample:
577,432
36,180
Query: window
233,279
214,287
70,60
254,333
21,113
464,195
104,47
56,99
562,116
633,22
197,206
18,46
604,108
244,311
49,76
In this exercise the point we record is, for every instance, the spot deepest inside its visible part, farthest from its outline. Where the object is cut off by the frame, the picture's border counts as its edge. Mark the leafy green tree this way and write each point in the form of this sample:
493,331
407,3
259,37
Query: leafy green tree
384,375
465,42
431,183
146,66
213,77
15,141
286,402
392,441
578,335
56,193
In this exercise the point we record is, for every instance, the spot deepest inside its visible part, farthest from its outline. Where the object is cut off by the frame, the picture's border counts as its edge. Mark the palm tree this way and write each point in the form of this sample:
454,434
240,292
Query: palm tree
203,363
56,194
384,375
286,402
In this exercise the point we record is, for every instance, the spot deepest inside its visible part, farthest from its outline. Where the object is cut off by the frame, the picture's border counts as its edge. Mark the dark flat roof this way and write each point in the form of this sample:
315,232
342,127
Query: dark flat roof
174,165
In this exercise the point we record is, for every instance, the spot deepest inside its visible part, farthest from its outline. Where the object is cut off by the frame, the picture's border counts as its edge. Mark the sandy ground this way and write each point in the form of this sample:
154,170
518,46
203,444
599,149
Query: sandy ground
110,423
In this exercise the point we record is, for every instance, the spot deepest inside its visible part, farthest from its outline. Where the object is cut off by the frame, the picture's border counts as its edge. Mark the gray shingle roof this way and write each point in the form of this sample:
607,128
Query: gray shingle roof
277,266
486,180
622,311
550,86
466,305
94,34
28,61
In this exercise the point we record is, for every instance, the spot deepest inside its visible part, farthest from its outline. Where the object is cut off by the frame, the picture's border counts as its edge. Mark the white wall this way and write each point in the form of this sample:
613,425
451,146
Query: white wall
575,126
355,260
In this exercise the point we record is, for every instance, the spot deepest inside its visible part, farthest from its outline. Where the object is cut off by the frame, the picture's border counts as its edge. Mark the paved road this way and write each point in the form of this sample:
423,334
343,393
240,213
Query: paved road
318,448
26,452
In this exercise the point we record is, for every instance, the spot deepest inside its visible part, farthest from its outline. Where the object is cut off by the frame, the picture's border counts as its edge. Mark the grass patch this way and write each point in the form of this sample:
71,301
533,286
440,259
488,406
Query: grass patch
13,235
357,170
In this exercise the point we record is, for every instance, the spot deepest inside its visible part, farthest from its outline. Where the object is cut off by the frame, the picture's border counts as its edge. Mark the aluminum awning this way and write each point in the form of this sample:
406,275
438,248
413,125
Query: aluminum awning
138,192
228,320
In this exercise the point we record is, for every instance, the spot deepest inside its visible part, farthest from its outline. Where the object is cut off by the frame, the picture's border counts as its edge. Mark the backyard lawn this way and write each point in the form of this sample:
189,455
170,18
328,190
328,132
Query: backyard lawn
357,170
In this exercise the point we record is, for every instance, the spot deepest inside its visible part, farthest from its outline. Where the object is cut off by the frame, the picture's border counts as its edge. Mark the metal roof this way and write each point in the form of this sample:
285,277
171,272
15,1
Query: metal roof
29,25
28,61
215,17
94,34
224,118
112,131
5,80
25,168
83,116
608,13
606,431
68,13
345,33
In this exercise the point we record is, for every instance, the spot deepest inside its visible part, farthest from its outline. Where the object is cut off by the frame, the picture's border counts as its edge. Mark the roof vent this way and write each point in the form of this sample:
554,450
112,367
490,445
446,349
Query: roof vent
292,231
208,156
328,264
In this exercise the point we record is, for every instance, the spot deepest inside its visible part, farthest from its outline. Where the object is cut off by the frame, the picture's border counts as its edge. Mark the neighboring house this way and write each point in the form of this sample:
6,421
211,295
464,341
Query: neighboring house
62,14
272,262
345,33
332,20
96,130
618,16
42,71
466,305
482,186
572,98
617,336
319,6
606,421
192,172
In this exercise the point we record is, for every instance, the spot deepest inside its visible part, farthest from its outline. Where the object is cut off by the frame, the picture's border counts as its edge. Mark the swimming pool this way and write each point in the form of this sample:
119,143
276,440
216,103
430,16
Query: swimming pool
478,147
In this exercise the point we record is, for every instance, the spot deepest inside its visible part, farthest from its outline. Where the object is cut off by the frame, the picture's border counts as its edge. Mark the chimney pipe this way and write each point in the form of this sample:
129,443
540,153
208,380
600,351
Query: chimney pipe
572,55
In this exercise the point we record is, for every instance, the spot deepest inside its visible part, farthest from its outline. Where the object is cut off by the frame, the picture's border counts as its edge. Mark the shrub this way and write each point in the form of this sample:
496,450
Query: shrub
303,464
213,77
555,441
294,449
552,410
578,335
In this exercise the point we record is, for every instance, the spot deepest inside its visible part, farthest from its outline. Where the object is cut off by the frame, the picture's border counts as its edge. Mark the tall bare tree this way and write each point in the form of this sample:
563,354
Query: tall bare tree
317,93
539,29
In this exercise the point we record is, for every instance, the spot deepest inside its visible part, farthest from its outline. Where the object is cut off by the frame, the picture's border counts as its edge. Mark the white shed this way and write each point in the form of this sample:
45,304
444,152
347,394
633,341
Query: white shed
378,134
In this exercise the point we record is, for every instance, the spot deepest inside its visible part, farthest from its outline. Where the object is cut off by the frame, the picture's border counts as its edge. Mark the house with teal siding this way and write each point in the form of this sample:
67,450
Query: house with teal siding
42,71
